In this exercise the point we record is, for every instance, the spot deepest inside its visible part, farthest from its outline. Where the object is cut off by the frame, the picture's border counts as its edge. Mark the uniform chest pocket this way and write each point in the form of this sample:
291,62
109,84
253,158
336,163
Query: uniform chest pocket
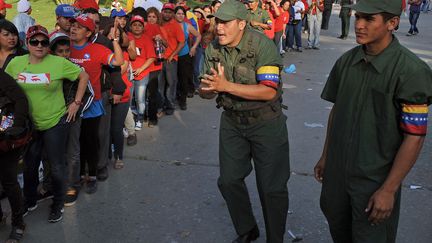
383,105
244,75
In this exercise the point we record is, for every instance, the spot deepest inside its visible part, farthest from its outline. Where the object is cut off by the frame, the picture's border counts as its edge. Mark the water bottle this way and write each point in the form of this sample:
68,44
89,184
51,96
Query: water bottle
159,49
6,122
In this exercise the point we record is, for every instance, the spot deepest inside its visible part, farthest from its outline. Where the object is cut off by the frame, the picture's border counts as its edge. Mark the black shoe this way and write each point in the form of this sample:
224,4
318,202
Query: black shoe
29,207
16,234
131,140
250,236
315,48
102,174
183,107
169,112
190,94
71,197
91,186
56,214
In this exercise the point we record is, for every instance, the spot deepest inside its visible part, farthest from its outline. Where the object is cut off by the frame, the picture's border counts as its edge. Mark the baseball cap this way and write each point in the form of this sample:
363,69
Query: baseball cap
116,13
137,18
85,21
230,10
4,5
57,37
23,6
381,6
169,6
65,10
36,30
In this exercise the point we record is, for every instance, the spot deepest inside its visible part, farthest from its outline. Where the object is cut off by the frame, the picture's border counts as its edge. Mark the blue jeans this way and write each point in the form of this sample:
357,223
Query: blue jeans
140,88
413,17
294,32
197,60
168,84
53,143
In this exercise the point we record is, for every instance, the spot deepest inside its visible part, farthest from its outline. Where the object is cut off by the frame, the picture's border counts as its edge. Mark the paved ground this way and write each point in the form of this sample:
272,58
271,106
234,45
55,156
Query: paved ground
167,192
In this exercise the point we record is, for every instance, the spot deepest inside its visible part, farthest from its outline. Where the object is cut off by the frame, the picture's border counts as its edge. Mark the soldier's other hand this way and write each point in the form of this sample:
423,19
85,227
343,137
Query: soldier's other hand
380,206
319,170
216,81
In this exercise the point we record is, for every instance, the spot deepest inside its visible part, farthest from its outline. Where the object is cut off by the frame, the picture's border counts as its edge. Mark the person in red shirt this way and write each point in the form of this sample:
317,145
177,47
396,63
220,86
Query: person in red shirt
316,7
91,57
154,30
176,40
83,4
280,24
141,65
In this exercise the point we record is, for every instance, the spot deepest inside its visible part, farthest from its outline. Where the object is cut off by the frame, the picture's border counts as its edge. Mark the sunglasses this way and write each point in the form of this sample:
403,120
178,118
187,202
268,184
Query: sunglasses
36,42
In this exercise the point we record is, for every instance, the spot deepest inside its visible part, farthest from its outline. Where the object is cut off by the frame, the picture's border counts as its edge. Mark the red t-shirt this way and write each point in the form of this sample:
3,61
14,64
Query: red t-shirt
145,50
281,20
83,4
152,30
271,32
92,57
126,94
174,36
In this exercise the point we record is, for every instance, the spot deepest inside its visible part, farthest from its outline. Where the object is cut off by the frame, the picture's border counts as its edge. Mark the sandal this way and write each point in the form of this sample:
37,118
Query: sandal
16,234
118,164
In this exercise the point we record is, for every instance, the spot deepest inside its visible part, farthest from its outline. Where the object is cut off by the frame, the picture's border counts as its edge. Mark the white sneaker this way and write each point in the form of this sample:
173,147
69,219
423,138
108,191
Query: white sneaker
125,133
138,126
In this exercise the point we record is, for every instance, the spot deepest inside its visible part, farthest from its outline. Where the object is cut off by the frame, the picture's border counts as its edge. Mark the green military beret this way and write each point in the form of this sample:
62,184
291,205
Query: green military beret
230,10
378,6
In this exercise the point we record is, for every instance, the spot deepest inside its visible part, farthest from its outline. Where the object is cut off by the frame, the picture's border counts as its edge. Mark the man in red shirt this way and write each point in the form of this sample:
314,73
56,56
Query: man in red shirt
314,19
91,57
280,23
175,38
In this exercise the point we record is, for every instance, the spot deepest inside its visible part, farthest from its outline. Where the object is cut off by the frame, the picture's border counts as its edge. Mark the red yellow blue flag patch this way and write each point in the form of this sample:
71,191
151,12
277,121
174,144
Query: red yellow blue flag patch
414,119
268,75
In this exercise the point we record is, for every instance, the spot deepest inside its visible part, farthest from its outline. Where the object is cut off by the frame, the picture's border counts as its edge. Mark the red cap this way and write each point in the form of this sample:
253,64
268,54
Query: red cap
169,6
137,18
4,5
85,21
36,30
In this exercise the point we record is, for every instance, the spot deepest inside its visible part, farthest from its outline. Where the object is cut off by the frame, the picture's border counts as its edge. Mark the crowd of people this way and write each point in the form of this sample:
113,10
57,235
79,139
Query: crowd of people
92,74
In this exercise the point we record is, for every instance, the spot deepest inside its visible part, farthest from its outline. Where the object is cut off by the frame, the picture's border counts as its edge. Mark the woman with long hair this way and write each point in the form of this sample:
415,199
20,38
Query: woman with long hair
185,58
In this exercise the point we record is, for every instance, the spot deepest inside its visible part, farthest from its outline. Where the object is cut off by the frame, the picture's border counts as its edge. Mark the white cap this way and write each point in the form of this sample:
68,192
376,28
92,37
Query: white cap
23,6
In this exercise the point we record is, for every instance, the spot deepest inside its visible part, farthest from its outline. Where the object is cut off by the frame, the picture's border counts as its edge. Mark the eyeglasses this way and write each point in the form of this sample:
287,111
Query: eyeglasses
36,42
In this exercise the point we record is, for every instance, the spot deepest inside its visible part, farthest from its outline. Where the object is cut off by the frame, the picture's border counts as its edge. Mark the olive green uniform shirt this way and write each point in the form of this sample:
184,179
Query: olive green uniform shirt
365,130
265,54
258,15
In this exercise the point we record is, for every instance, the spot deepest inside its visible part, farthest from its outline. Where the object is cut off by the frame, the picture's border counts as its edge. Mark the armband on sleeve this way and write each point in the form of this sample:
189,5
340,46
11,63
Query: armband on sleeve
268,76
414,119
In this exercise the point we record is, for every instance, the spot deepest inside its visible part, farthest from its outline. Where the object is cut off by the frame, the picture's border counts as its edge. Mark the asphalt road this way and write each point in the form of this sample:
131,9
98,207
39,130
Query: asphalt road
167,191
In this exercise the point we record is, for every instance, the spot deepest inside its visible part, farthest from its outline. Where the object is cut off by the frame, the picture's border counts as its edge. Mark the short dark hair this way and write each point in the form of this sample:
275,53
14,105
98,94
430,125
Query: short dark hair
215,2
180,8
62,42
139,11
387,16
91,11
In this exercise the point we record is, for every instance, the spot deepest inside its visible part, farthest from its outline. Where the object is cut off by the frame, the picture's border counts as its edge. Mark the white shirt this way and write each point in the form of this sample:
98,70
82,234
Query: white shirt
148,3
298,8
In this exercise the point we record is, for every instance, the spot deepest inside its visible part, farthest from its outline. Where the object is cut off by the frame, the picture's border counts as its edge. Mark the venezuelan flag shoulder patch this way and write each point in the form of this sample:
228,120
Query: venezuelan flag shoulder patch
268,75
414,119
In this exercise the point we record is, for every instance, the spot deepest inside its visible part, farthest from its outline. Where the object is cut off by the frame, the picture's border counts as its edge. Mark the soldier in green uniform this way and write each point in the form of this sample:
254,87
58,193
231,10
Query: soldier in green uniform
345,16
243,67
257,17
381,92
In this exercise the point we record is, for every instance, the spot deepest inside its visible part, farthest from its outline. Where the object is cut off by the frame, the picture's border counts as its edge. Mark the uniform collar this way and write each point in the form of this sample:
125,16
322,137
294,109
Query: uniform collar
381,60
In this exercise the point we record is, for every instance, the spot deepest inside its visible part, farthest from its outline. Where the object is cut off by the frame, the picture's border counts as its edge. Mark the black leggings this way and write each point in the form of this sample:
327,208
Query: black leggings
153,96
118,116
8,178
89,145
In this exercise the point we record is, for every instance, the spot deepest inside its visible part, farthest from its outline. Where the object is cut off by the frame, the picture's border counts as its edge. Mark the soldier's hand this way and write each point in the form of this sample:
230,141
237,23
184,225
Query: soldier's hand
380,206
216,81
319,170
